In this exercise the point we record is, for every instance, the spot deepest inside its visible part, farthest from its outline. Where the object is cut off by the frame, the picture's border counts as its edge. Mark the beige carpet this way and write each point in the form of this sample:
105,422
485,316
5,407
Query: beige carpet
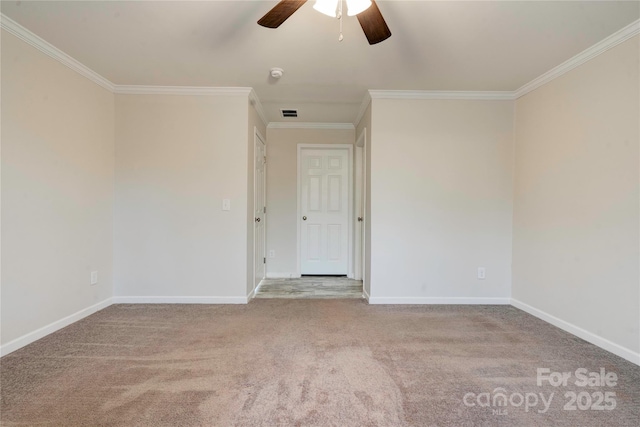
308,363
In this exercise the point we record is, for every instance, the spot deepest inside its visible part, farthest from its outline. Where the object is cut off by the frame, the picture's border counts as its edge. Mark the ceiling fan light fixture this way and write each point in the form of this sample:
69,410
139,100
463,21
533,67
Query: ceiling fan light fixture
328,7
373,24
355,7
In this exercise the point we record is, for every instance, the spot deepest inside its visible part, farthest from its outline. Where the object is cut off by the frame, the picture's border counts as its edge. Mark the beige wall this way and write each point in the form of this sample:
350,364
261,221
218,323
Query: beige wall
282,190
57,190
177,158
441,199
576,213
365,123
254,123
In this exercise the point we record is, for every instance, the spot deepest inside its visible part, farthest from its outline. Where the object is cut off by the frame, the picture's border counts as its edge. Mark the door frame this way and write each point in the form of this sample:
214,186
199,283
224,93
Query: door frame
360,185
349,149
259,139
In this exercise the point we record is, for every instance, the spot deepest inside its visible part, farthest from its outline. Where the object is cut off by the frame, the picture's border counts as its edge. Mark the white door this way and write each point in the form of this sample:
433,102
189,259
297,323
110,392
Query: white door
259,206
324,210
359,213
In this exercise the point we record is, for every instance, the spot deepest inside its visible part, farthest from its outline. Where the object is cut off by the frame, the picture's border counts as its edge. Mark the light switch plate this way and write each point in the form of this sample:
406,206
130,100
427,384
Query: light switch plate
94,277
226,204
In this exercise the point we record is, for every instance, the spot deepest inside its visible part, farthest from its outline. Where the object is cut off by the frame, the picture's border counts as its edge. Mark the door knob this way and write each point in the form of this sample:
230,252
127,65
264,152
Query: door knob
359,219
304,218
257,219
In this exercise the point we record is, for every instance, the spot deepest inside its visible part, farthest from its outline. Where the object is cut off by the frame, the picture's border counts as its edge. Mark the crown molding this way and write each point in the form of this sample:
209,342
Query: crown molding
438,94
302,125
602,46
255,101
181,90
363,108
47,48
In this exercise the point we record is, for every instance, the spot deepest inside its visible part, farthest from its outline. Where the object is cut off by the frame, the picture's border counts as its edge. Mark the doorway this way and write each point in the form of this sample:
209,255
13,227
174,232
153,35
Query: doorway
259,205
325,209
360,205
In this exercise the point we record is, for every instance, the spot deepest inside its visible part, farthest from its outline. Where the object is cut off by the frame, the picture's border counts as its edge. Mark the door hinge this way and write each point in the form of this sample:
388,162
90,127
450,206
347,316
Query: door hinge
264,210
265,160
264,260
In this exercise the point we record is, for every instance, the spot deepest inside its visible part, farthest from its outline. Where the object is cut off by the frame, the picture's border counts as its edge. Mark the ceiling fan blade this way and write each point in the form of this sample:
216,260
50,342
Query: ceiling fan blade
280,13
373,24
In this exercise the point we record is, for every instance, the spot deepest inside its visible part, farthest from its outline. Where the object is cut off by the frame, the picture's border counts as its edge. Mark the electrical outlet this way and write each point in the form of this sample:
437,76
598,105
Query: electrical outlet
94,277
482,273
272,253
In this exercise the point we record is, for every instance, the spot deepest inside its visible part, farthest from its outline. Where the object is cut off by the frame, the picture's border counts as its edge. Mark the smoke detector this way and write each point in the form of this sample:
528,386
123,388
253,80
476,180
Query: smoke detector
276,73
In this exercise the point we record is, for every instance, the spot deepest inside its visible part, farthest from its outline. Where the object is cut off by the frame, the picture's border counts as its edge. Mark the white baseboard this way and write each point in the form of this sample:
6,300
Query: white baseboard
283,276
365,294
603,343
255,291
20,342
179,300
440,300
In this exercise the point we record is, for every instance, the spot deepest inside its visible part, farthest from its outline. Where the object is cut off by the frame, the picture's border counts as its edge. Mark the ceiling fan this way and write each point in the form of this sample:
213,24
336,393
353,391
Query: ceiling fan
371,20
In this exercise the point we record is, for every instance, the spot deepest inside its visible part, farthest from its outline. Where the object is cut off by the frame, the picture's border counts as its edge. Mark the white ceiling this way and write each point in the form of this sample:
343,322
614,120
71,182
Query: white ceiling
436,45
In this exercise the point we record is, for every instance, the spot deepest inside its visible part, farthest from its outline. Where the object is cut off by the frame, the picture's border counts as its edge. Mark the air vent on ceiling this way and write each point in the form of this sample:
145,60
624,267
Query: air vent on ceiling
289,113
